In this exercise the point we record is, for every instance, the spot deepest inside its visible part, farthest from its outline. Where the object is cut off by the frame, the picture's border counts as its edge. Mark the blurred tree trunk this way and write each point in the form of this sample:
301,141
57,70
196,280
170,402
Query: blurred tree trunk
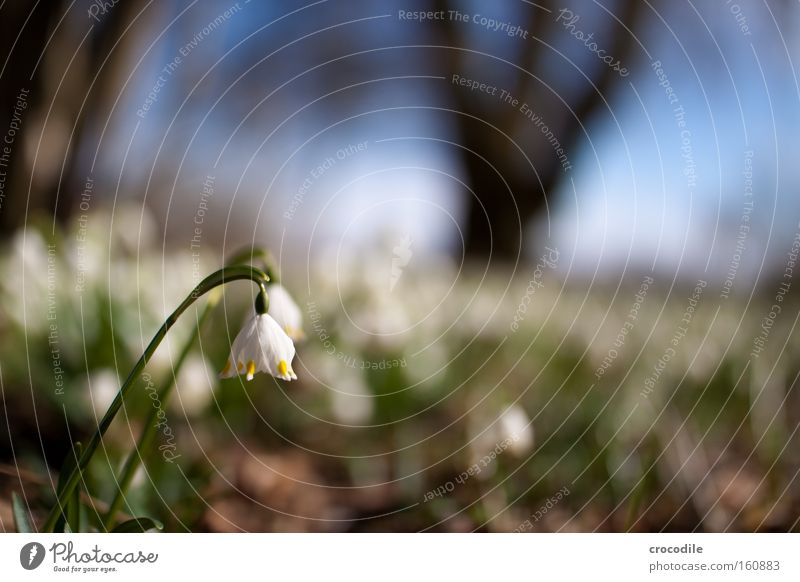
509,187
111,41
48,55
23,36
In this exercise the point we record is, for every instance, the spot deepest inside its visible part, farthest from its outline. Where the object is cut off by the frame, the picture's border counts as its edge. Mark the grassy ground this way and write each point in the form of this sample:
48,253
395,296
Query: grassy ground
454,400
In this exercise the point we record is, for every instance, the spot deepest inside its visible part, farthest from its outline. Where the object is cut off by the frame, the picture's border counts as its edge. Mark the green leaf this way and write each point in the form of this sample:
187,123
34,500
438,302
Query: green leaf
92,519
138,525
73,513
70,519
73,521
68,465
21,519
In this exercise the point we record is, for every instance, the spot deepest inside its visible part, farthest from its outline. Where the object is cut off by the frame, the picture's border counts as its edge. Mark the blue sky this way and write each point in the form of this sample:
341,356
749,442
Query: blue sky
262,130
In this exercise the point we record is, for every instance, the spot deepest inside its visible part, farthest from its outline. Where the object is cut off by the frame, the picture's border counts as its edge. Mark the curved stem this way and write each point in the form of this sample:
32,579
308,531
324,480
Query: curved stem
216,279
135,458
270,267
260,257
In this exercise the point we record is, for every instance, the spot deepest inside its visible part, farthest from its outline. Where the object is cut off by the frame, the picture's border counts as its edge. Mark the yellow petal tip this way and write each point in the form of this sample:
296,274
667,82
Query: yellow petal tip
251,369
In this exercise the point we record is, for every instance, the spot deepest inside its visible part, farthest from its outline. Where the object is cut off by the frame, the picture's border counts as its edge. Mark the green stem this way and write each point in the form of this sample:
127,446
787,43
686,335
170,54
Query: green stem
214,280
135,457
259,257
270,267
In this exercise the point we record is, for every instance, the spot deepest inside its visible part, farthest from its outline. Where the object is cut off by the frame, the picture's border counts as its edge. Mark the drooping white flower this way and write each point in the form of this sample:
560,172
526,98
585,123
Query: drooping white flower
285,311
261,346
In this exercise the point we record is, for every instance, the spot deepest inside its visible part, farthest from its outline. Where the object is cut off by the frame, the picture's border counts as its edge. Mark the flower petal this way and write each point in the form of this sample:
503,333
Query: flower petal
261,346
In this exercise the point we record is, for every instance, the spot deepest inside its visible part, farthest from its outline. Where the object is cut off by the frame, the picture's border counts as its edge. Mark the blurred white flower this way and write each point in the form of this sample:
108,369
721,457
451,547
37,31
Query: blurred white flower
351,402
509,433
195,385
140,477
285,311
28,294
261,346
514,424
102,388
343,386
401,255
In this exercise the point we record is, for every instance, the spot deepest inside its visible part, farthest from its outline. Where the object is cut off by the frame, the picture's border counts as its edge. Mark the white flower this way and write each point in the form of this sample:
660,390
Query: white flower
285,311
195,386
510,432
103,386
515,425
261,346
351,401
